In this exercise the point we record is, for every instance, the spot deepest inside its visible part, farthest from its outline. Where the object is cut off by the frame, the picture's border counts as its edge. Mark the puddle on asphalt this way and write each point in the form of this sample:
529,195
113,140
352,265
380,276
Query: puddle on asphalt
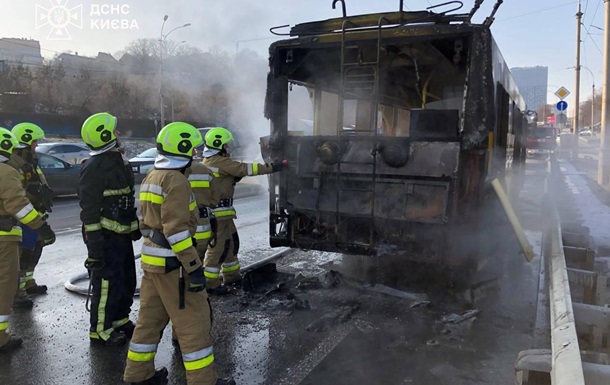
251,352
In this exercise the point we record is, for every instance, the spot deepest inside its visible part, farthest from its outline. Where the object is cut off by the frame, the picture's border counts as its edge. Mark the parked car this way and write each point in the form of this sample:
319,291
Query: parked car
586,134
63,177
143,162
73,153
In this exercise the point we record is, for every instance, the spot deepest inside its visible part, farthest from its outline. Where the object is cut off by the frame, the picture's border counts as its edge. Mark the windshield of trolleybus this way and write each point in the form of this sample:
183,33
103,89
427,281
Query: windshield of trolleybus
408,79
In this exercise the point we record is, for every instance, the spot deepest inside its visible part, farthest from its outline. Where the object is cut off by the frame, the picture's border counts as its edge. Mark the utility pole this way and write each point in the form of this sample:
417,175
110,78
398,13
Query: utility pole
604,151
161,48
577,72
592,96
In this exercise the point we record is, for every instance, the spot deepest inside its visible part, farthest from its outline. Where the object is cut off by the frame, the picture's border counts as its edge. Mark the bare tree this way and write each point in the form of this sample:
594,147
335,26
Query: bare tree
145,54
114,97
49,79
16,89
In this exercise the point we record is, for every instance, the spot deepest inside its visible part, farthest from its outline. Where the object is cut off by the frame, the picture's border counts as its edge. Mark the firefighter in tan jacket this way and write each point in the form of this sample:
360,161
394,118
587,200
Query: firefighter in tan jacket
15,208
227,172
25,161
199,177
173,283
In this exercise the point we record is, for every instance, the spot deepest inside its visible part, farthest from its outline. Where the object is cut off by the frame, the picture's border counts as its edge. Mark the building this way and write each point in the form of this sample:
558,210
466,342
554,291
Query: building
533,84
15,51
102,65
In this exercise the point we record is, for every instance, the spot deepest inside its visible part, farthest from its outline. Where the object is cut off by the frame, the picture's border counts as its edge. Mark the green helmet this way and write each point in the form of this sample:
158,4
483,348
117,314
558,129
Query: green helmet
26,133
217,137
178,139
98,130
8,142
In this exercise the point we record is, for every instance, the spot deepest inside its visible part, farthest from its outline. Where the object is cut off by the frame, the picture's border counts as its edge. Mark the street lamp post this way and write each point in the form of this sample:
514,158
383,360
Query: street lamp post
161,49
161,75
171,84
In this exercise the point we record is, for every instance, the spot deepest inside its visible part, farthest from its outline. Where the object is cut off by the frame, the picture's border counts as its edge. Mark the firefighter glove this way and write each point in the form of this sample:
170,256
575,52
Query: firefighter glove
95,256
47,197
196,280
277,165
46,234
136,235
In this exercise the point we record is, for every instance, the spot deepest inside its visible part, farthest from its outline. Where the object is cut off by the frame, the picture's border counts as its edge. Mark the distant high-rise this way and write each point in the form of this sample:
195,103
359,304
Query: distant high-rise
533,84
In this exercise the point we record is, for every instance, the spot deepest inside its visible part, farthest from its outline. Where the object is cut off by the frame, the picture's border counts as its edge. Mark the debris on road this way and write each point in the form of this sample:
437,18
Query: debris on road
383,289
262,275
420,304
336,317
454,318
479,291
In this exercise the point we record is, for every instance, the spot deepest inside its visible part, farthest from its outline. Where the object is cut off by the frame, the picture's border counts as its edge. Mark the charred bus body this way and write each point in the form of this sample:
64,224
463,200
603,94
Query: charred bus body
413,114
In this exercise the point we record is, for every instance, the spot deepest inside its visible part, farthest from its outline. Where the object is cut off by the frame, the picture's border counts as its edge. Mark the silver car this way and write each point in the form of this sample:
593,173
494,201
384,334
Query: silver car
73,153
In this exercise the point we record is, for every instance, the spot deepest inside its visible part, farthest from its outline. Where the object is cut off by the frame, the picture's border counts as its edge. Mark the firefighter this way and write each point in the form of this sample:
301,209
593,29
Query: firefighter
199,179
110,224
173,283
15,208
227,172
25,161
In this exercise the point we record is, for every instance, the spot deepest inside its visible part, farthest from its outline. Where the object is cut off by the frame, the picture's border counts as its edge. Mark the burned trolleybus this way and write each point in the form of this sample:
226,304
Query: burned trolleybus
408,118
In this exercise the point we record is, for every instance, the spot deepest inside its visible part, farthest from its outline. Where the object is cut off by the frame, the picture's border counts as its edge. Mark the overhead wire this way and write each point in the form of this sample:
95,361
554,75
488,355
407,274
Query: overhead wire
595,13
586,6
539,11
591,37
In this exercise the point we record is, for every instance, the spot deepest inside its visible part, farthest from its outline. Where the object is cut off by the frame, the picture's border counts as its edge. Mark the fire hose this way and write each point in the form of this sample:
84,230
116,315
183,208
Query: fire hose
71,283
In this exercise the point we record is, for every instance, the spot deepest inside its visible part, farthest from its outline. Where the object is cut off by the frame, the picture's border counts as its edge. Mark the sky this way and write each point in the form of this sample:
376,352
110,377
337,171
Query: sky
528,32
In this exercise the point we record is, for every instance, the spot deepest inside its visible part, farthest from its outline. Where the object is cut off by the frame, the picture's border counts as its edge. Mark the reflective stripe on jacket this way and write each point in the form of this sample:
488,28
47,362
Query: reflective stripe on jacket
168,206
13,202
200,180
227,172
107,194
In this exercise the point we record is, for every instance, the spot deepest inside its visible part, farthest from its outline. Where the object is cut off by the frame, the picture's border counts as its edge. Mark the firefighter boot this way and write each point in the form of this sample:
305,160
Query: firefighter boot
36,289
235,284
225,381
160,378
126,329
115,339
13,343
220,290
22,300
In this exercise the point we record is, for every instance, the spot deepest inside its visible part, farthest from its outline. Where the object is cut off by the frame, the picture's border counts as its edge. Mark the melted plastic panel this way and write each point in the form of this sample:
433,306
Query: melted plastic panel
391,193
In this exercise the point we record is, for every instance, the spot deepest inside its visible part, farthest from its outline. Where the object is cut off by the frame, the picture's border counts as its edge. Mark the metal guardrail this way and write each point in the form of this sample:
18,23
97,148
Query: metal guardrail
564,262
566,364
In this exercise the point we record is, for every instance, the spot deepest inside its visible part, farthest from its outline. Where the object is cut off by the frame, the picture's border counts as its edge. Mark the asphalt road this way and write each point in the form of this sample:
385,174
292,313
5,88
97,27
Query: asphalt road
56,347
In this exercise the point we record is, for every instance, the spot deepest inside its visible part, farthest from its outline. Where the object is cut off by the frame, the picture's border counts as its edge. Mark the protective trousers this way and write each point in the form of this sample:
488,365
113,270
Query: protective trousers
113,287
9,275
202,246
223,257
159,304
27,263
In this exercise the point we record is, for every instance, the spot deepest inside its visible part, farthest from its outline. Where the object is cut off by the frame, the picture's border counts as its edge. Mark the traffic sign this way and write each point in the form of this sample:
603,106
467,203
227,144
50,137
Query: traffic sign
562,93
562,119
562,105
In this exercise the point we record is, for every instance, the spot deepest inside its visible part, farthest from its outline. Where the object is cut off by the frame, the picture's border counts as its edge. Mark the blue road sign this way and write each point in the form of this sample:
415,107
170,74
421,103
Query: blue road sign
562,105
